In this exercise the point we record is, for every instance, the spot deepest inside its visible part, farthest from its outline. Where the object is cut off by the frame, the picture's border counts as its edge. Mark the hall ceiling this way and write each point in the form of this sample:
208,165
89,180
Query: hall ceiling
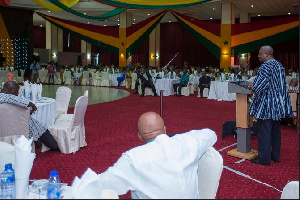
206,11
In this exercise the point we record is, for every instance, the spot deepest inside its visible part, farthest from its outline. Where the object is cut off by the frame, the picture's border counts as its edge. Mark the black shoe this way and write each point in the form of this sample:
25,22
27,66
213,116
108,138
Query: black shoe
156,95
142,95
275,160
257,161
135,93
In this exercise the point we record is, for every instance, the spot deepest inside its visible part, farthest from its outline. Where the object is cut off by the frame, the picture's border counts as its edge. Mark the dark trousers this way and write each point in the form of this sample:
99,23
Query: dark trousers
144,85
201,87
51,77
269,140
178,86
48,140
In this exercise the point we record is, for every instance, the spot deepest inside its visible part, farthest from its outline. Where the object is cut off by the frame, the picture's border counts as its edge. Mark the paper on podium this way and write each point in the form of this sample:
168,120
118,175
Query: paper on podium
23,164
88,187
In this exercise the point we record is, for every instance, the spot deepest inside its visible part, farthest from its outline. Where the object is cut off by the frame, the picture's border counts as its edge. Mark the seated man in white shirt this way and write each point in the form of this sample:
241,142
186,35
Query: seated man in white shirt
254,73
164,167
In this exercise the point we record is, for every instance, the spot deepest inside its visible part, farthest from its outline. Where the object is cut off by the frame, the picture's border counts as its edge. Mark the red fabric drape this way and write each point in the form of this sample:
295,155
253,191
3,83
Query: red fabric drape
142,54
106,57
174,38
75,43
285,52
39,37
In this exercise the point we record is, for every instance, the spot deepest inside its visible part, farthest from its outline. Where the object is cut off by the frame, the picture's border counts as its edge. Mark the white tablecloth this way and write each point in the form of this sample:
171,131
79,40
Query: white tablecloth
66,193
219,91
46,111
166,85
113,78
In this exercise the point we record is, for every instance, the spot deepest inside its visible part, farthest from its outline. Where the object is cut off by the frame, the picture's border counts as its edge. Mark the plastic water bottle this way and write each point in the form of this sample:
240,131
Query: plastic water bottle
53,188
8,189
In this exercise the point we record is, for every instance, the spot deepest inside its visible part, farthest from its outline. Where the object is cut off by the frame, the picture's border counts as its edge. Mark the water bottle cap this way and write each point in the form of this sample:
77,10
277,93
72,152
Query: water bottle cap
53,173
8,166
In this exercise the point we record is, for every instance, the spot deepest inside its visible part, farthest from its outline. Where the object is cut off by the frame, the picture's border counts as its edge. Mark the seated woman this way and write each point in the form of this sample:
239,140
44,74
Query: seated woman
122,78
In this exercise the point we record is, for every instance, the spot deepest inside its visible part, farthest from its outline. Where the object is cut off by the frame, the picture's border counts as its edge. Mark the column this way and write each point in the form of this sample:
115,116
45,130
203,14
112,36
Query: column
154,46
228,18
48,39
83,50
88,53
125,21
54,41
244,58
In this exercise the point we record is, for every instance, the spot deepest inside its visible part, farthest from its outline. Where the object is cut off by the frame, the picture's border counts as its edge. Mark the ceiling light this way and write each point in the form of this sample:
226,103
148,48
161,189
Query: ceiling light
148,13
252,6
289,13
134,19
49,11
84,13
133,23
211,18
258,15
104,24
118,20
214,8
118,24
41,25
169,21
88,22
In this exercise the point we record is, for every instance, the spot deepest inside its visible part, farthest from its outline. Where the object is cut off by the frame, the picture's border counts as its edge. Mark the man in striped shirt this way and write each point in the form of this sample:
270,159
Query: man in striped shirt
271,103
37,130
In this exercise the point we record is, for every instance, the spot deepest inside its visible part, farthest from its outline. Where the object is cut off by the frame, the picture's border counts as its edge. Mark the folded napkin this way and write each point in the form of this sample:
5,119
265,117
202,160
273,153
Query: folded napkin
27,89
34,92
23,164
88,187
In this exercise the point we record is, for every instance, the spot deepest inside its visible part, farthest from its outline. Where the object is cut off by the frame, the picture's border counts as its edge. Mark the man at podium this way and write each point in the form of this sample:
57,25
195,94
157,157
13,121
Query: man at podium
270,104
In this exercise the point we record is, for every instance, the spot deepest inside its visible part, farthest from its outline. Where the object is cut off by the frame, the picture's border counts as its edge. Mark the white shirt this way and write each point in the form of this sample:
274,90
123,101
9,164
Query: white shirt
164,168
251,79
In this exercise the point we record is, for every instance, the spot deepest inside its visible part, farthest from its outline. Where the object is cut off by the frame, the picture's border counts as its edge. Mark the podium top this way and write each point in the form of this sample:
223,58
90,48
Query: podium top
239,87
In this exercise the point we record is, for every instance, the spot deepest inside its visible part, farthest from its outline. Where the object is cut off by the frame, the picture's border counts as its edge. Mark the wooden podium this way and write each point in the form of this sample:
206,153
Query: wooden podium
244,121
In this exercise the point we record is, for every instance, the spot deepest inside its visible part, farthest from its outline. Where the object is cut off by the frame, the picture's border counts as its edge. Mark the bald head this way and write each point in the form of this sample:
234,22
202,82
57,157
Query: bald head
150,125
293,82
265,53
11,87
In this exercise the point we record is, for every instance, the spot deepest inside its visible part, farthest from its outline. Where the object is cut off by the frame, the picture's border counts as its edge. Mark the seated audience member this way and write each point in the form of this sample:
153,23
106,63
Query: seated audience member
171,73
122,78
164,167
251,79
293,85
146,81
37,130
204,82
184,80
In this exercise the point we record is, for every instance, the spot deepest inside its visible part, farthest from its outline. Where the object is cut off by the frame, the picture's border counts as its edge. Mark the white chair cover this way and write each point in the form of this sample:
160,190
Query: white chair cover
70,135
205,92
57,79
105,79
21,78
7,155
85,78
97,78
14,122
148,92
67,78
288,79
294,98
3,76
209,173
86,93
42,76
185,91
133,79
15,75
63,95
290,190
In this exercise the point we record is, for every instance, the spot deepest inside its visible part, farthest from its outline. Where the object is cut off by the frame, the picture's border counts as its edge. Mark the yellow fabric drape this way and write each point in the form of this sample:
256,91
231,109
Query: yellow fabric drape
6,43
49,6
260,34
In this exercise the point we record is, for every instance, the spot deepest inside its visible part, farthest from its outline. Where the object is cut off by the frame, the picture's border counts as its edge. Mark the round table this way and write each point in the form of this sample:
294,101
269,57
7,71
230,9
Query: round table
46,111
219,91
166,85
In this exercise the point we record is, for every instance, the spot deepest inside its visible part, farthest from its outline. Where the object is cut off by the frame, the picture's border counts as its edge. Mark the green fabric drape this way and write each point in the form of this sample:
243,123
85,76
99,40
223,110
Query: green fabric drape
145,6
112,13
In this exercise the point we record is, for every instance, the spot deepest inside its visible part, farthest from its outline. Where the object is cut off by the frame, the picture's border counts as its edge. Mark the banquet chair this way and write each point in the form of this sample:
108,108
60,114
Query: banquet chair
14,122
85,78
288,79
70,135
7,154
57,79
185,91
133,79
86,93
210,169
105,79
294,103
15,75
97,78
68,78
205,92
3,76
63,95
20,79
290,190
42,76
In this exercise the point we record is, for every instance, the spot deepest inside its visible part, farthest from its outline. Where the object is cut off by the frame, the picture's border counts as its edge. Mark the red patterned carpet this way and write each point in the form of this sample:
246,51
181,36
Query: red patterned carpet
111,129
